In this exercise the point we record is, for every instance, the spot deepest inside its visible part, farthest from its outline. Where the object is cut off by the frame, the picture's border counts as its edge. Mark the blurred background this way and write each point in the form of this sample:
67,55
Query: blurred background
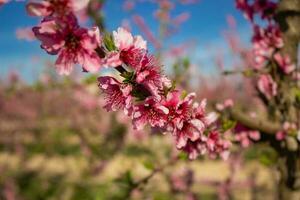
56,141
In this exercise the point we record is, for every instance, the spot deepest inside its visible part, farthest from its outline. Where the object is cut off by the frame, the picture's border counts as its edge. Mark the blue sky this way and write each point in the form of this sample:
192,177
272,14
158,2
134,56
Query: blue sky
208,20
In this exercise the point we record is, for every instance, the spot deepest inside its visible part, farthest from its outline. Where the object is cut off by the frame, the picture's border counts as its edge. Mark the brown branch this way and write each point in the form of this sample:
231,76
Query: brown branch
263,126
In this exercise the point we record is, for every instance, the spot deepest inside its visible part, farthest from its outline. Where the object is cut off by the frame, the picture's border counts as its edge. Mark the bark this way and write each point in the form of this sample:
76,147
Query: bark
288,18
289,183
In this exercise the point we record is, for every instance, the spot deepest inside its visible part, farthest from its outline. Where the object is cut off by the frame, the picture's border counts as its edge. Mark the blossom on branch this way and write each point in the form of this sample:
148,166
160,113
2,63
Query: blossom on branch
267,86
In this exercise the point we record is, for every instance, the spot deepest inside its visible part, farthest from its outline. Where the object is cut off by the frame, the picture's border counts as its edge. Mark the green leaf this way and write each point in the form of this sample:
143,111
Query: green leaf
109,42
248,73
129,77
228,124
126,179
149,165
184,94
186,63
91,79
183,156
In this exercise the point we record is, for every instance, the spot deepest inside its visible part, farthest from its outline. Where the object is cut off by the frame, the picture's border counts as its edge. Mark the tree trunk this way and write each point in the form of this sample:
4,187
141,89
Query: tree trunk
288,18
289,183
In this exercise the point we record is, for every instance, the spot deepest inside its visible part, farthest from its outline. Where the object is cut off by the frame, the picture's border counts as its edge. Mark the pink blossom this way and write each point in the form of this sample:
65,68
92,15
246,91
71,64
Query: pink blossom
3,2
193,125
190,131
124,40
264,8
280,135
130,49
226,104
231,21
254,135
128,5
246,8
216,145
148,75
152,112
181,18
72,44
117,95
289,126
267,86
178,109
245,136
265,41
284,62
213,145
57,7
25,34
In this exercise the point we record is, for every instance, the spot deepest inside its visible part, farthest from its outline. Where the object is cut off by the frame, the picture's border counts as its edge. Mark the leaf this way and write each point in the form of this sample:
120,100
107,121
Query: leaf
149,165
248,73
109,42
91,79
186,63
183,156
126,179
228,124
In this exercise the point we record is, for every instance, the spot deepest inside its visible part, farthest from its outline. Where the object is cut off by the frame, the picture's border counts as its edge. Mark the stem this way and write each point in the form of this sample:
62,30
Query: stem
120,69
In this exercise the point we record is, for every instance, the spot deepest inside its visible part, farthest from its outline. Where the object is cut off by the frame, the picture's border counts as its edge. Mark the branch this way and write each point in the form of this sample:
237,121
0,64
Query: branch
263,126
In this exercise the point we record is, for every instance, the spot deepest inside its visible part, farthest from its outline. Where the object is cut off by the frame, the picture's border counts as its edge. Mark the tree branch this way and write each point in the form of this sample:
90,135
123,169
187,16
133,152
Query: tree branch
257,124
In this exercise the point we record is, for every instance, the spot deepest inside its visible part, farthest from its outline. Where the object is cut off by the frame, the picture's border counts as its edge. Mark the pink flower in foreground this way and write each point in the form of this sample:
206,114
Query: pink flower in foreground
117,95
267,86
55,7
193,125
128,47
152,112
284,63
178,109
148,74
72,44
147,99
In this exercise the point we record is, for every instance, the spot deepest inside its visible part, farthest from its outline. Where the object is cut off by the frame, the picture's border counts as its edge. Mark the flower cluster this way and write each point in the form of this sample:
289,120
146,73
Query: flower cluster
267,42
142,90
287,129
146,95
245,136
